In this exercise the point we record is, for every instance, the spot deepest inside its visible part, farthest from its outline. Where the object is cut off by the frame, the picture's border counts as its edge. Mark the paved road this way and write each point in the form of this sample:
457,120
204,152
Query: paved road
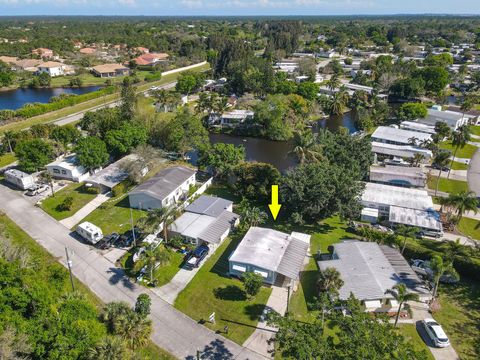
78,116
173,330
473,175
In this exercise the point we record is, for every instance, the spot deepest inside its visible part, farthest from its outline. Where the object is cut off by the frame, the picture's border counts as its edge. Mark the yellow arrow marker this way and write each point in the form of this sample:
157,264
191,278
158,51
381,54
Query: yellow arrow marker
274,206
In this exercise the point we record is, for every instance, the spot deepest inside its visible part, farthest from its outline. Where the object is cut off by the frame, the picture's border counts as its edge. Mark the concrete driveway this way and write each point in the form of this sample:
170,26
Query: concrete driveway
172,330
447,353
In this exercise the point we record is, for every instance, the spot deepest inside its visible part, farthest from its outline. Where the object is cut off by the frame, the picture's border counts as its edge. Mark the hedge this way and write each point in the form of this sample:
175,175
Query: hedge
35,109
122,187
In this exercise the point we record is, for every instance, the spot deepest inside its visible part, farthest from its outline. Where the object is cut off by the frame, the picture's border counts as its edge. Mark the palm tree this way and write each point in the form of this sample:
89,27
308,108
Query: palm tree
459,138
155,217
330,281
440,267
10,137
139,332
339,101
467,105
162,98
416,160
305,147
454,249
400,293
109,348
254,216
441,160
334,82
406,232
463,201
203,103
153,258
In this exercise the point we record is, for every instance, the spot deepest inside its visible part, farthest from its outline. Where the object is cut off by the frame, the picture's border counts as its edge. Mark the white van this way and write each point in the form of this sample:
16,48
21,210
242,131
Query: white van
90,232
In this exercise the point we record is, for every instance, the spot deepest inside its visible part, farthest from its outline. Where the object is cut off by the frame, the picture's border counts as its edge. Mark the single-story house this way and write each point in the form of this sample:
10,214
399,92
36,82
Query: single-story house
68,168
110,70
111,175
276,256
151,59
427,221
418,127
208,220
473,115
391,135
27,65
369,270
52,68
235,117
288,66
165,188
381,197
398,176
453,119
399,151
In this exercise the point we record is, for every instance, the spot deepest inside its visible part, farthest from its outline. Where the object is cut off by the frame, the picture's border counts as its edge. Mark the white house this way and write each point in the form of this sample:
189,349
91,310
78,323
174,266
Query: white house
391,135
166,188
18,178
52,68
68,168
453,119
235,117
276,256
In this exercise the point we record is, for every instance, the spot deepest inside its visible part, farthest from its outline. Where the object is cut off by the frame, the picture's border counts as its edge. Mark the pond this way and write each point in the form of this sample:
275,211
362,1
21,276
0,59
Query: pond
15,99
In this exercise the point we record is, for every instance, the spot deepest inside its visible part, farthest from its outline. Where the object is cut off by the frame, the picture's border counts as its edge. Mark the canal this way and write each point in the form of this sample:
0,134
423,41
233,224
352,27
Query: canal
15,99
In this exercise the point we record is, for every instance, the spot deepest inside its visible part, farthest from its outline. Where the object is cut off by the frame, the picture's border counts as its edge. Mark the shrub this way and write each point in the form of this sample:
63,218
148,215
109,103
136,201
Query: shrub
121,188
66,204
252,282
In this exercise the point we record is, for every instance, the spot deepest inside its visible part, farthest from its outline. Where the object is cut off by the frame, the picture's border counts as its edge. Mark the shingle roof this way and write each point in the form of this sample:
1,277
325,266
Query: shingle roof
209,205
164,182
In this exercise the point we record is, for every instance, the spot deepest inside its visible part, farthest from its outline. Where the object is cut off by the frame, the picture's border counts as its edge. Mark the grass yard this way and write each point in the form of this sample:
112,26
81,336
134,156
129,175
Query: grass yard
80,194
89,79
212,290
7,159
447,185
459,166
412,337
114,215
469,227
460,317
328,232
466,152
163,274
475,130
43,259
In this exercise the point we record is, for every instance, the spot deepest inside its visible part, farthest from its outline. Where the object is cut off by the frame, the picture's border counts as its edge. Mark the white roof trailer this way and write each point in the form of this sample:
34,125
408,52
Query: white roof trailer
20,179
90,232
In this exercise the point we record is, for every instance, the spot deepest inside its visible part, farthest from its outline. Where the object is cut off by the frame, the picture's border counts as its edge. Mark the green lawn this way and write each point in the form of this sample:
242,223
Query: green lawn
163,274
447,185
42,260
114,215
330,231
475,129
80,194
460,317
89,79
469,227
459,166
412,337
212,290
7,159
466,152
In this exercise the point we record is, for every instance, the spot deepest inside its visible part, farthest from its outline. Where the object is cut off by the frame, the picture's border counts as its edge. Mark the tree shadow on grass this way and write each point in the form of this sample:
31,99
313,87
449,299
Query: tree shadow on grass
254,311
308,279
215,350
229,292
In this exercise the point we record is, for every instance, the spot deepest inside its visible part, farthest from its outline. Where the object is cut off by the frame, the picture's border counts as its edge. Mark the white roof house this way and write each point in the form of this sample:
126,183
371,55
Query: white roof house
68,168
399,176
423,219
236,117
391,135
368,270
399,151
418,127
380,196
111,175
453,119
270,253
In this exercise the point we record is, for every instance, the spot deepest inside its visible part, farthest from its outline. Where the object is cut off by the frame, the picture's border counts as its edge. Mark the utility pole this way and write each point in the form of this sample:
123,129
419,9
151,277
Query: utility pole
69,264
133,229
288,295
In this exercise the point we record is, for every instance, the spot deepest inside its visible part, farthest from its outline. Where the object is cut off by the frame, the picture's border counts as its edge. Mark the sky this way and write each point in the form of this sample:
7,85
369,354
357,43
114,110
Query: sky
236,7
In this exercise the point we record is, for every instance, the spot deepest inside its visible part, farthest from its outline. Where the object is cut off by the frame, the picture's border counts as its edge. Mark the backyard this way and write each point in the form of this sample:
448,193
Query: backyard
114,215
78,192
212,290
447,185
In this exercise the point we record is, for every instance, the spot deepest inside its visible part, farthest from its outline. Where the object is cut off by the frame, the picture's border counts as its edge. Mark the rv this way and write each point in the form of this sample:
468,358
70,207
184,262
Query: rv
20,179
90,232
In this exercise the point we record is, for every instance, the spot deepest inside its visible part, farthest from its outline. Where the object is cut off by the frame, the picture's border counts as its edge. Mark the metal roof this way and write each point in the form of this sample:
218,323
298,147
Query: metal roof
451,118
164,182
272,250
209,205
214,231
191,225
403,151
113,174
426,219
396,196
413,175
399,135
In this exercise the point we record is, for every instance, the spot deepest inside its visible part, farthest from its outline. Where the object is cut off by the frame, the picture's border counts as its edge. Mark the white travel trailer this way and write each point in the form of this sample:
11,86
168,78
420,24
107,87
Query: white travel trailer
90,232
20,179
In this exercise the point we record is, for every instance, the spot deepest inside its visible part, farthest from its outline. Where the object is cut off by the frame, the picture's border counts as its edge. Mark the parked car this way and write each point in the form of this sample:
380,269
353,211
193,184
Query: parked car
436,333
126,240
36,189
427,233
195,257
107,241
423,268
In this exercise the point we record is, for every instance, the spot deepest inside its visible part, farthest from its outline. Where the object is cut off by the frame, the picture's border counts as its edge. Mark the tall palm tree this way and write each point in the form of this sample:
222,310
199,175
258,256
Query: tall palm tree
109,348
416,160
400,293
459,138
439,267
330,281
153,257
441,160
139,332
338,101
305,147
334,82
467,105
406,232
155,217
463,201
454,249
10,137
254,216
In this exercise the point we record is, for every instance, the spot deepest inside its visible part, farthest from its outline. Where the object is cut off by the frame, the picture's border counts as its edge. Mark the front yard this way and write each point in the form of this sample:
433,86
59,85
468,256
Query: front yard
212,290
447,185
466,152
7,159
411,335
114,215
78,192
469,227
475,130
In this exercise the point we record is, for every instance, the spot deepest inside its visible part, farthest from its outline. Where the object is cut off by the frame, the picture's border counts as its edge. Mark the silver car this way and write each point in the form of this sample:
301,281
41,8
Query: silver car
435,333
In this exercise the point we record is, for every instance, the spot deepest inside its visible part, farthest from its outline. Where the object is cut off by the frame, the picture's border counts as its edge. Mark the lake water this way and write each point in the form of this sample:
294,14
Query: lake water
14,99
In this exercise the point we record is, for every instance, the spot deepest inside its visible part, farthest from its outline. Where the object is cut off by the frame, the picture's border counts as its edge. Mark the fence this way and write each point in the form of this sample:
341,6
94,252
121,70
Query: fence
183,68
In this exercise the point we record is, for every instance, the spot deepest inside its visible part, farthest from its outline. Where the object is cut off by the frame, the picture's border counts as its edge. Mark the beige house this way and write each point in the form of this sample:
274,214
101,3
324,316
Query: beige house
110,70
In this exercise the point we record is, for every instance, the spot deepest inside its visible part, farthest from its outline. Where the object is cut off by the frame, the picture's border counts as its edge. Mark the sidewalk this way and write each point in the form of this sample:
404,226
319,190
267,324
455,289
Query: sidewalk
71,221
454,174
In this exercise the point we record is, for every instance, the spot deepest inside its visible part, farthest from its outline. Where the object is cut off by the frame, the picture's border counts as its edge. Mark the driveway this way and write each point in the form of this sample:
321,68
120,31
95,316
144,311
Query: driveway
173,330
